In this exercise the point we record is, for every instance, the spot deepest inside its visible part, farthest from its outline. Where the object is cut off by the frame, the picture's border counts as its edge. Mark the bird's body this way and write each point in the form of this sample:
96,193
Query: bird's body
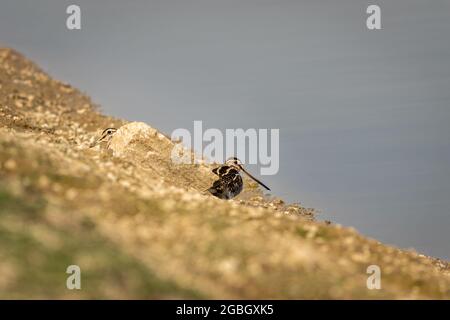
230,182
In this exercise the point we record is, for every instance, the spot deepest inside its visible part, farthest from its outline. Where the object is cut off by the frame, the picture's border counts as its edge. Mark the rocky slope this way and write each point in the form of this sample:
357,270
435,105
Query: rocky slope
139,226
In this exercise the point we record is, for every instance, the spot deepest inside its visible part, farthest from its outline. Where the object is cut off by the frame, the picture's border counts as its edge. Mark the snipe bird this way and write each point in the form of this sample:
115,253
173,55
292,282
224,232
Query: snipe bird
230,182
106,136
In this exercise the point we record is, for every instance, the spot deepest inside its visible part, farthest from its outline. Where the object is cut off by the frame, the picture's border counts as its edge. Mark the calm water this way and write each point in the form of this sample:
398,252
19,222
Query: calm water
363,115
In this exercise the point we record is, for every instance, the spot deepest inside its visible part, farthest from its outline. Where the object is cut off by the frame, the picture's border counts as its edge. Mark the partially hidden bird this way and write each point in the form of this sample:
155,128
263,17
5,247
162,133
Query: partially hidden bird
106,136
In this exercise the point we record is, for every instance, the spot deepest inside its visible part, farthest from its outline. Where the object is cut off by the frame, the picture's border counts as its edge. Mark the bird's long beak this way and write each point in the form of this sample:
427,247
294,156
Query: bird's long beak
96,142
93,144
255,179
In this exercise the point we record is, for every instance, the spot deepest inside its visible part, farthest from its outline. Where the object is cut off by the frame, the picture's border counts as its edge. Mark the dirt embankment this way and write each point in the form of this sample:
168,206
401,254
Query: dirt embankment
139,226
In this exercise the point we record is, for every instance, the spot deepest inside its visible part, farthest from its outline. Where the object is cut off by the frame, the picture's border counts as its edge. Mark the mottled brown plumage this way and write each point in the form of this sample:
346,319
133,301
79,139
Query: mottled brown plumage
230,182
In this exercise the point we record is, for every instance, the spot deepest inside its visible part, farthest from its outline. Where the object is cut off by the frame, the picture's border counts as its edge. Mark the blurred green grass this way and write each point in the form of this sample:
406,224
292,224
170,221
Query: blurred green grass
37,253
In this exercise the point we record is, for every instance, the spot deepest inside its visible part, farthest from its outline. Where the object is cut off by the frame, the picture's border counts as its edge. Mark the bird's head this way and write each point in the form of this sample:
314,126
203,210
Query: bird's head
234,162
105,136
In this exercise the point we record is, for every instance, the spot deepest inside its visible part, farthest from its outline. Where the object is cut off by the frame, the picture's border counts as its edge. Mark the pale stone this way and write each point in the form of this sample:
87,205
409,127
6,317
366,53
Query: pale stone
128,133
